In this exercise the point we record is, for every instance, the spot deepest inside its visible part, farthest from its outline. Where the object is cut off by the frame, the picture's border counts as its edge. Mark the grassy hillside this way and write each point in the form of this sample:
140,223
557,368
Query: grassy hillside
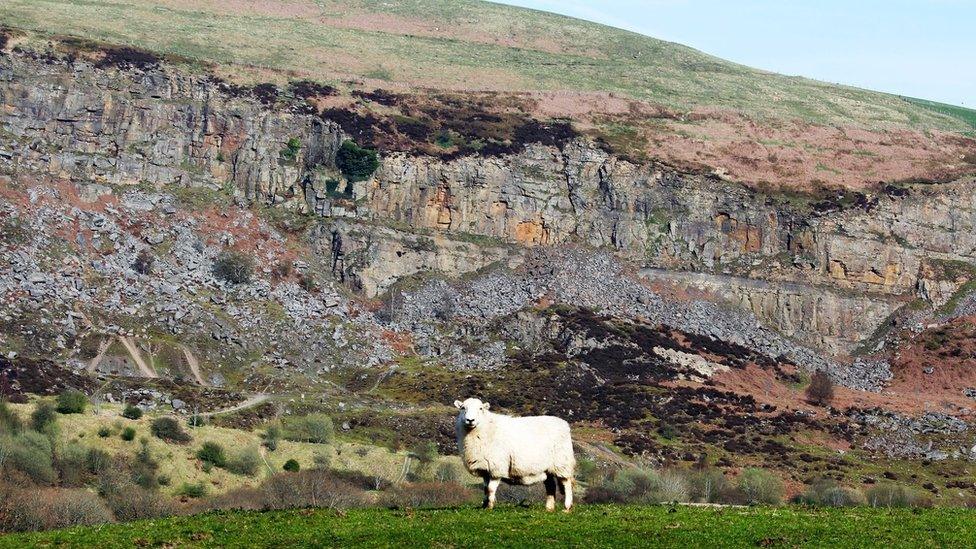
459,44
595,526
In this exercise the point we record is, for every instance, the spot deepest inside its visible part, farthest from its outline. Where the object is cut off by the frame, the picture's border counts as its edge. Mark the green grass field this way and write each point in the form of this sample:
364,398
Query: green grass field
457,44
589,526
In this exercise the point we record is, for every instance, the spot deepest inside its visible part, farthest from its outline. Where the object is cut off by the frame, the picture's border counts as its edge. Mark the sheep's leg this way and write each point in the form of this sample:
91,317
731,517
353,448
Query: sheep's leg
550,493
490,487
487,480
566,486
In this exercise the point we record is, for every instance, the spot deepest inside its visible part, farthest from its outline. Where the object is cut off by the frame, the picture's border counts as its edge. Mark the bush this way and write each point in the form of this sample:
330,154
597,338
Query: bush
431,494
246,462
292,466
196,420
212,453
760,486
893,495
448,472
271,437
145,467
30,453
290,152
128,434
10,422
355,162
708,486
72,402
104,432
132,412
672,488
138,503
196,490
233,267
168,429
829,493
52,508
425,453
317,428
312,488
72,466
821,389
44,417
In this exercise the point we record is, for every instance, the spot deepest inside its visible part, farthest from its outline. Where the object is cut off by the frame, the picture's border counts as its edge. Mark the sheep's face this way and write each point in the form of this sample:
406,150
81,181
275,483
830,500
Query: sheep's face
471,412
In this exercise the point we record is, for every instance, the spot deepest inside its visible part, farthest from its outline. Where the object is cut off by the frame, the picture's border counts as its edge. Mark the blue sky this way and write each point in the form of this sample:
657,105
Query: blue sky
920,48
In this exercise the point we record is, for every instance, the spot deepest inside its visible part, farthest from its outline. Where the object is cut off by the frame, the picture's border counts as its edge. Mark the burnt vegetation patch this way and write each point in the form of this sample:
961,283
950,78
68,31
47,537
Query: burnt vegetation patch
126,58
619,382
307,89
446,126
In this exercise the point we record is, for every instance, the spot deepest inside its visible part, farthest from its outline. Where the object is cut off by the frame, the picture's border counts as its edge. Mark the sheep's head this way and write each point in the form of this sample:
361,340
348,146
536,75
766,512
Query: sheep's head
471,412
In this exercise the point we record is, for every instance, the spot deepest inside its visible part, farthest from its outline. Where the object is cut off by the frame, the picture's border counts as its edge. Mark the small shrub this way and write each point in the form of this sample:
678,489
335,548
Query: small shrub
97,461
894,495
233,267
271,437
829,493
448,472
760,487
10,422
672,488
132,412
290,152
72,402
31,454
168,429
52,508
355,162
196,420
72,466
431,494
292,466
145,467
212,453
246,462
144,262
128,434
316,428
585,469
311,488
821,389
192,490
104,432
425,453
138,503
708,486
44,417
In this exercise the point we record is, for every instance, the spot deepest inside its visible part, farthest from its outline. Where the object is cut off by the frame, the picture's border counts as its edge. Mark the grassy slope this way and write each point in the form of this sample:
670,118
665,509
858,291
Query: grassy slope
178,462
594,526
465,44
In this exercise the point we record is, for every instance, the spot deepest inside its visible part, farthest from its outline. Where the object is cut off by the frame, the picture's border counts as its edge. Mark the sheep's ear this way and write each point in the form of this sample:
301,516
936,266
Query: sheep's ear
457,404
486,406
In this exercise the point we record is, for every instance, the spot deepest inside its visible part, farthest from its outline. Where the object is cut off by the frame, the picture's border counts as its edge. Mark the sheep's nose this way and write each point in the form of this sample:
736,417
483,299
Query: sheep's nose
469,422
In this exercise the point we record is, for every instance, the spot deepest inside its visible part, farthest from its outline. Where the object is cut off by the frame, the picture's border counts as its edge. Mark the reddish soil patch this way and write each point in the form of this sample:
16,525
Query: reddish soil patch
938,365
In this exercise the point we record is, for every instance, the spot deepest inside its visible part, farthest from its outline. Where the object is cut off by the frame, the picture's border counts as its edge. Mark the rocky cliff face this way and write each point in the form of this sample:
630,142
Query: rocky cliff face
825,272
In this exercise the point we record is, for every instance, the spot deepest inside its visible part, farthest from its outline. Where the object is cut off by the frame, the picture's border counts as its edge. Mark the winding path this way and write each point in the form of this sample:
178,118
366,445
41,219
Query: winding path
251,402
194,365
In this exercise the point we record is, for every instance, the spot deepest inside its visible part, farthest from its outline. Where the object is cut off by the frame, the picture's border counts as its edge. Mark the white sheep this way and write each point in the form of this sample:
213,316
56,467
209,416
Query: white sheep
517,450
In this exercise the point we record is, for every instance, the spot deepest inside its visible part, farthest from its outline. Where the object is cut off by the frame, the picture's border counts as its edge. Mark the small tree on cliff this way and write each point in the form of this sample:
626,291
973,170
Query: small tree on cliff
821,389
355,162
